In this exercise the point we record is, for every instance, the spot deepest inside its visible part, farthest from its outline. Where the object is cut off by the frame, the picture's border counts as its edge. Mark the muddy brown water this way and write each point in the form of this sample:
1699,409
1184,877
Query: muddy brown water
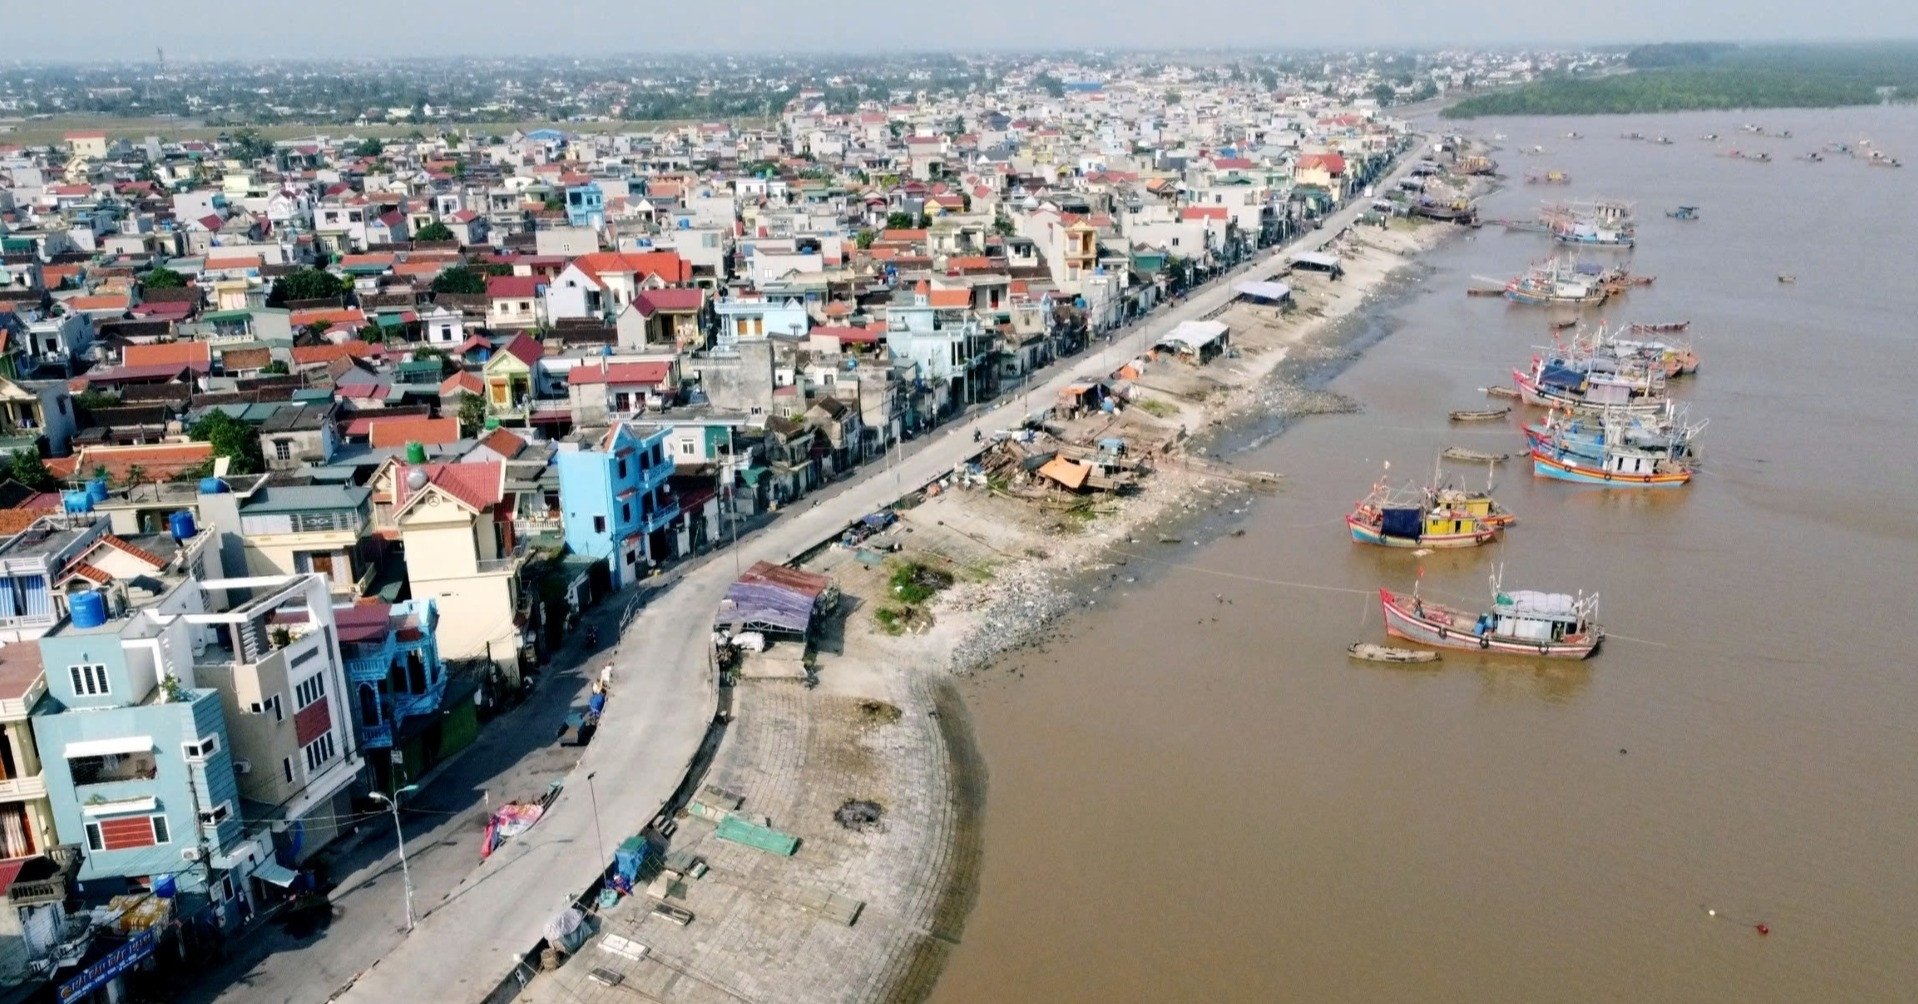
1194,795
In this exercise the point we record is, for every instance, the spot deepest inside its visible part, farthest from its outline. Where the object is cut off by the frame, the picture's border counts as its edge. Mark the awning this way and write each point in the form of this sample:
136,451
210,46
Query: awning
1195,335
1316,259
276,873
1264,290
109,747
120,807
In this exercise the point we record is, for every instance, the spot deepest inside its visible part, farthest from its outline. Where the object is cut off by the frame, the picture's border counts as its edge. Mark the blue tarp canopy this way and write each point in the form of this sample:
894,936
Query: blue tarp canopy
1400,523
1561,376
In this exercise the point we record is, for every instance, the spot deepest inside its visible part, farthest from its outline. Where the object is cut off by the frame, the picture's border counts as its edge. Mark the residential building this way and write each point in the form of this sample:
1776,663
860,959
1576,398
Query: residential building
509,377
399,689
37,415
307,529
460,550
614,498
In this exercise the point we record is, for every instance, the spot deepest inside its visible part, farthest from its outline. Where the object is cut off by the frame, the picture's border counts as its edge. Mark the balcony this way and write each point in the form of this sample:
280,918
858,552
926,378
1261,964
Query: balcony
497,566
414,705
660,518
378,736
16,789
370,668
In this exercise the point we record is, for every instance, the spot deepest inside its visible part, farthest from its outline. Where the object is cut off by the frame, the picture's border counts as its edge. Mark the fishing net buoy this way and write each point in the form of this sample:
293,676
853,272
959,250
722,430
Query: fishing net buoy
1763,929
1711,913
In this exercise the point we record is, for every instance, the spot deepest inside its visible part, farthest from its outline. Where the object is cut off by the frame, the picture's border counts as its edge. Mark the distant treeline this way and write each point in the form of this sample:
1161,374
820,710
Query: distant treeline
1706,77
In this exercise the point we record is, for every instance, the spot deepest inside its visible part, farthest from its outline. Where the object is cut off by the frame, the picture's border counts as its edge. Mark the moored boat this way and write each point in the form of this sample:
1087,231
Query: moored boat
1413,518
1620,467
1521,622
1387,653
1588,393
1661,327
1474,456
1487,415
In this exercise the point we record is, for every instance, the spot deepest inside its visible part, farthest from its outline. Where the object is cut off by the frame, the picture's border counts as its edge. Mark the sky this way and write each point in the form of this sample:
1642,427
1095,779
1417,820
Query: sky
250,29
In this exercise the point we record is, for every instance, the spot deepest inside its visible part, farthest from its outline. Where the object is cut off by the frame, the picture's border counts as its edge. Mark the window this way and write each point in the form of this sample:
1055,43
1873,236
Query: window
89,680
269,706
201,749
286,768
309,690
319,752
622,467
216,815
124,833
283,449
686,448
160,834
599,524
625,512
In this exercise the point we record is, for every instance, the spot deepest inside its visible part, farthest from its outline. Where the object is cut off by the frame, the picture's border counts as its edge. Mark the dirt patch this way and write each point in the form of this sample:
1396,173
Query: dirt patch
878,712
859,815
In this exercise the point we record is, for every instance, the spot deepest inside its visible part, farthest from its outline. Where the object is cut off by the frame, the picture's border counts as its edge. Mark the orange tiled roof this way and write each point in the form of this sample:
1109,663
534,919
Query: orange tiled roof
413,429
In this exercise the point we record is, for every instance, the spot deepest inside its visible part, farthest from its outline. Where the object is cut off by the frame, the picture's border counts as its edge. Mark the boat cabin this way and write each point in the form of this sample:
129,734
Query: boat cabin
1526,615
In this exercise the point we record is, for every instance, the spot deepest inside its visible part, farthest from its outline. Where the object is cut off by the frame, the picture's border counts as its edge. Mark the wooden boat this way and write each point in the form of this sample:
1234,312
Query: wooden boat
1556,283
1411,518
1480,505
1683,213
1474,456
1480,291
1621,467
1523,623
1586,393
1386,653
1552,177
1505,392
1666,326
1787,277
1569,322
1662,436
1489,415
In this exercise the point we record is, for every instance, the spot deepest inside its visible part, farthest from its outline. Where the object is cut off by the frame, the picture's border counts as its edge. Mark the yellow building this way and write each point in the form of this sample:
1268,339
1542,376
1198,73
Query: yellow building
460,553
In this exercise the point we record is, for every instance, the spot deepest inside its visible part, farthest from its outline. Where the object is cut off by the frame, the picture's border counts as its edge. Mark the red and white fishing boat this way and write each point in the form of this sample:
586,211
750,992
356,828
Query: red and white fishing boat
1521,622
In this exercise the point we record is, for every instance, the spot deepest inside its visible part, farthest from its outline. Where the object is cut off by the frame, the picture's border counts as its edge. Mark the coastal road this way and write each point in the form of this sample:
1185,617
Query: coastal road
664,693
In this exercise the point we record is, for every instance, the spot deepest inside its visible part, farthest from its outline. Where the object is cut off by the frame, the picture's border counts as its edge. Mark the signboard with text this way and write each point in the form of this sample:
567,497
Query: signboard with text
108,966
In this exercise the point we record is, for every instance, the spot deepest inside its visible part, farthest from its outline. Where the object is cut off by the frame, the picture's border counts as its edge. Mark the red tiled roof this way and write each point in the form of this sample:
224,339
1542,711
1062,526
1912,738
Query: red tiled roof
668,265
524,348
504,443
328,316
159,461
1332,163
477,485
312,355
680,300
861,336
1203,213
652,373
383,432
501,287
462,381
104,301
950,298
197,355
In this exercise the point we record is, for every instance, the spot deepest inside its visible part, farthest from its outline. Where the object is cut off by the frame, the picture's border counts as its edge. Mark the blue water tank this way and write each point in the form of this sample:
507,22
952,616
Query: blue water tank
97,490
212,486
89,608
181,525
76,501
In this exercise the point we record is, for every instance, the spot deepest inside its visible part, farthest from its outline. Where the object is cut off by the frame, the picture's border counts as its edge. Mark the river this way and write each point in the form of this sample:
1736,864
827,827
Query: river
1194,795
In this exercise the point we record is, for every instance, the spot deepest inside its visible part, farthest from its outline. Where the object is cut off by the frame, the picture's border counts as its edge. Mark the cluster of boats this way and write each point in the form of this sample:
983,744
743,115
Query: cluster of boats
1611,419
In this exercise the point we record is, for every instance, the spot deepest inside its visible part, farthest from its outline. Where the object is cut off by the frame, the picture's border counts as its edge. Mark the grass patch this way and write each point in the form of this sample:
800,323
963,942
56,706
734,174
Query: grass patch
892,620
913,582
1155,407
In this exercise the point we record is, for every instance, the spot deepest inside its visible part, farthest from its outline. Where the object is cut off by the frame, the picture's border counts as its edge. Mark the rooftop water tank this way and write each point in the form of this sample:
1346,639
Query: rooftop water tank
76,501
97,490
88,608
181,525
212,486
415,453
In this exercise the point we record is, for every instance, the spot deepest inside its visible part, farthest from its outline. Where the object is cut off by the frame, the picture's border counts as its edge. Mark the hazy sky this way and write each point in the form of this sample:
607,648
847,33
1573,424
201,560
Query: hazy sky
130,29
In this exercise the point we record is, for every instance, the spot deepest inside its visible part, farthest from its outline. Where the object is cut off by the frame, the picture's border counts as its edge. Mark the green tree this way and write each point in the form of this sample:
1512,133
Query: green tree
459,279
864,238
162,278
472,414
1002,225
274,368
26,467
369,147
434,231
898,221
233,439
136,475
373,334
1384,94
306,284
1053,86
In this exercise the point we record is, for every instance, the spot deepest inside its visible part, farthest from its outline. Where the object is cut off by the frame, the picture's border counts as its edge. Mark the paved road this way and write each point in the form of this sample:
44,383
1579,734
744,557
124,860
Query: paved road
664,696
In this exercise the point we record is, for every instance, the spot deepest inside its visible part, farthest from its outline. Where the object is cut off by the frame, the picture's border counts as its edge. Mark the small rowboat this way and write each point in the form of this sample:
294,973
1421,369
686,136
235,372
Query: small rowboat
1490,415
1666,326
1570,322
1478,291
1386,653
1474,456
1505,392
1787,277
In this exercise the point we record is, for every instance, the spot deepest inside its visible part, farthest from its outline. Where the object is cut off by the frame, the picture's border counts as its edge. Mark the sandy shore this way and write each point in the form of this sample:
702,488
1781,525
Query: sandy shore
884,725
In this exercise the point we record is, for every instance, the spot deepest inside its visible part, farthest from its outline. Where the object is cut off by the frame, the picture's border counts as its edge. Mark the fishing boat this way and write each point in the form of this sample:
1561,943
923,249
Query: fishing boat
1787,278
1592,235
1489,415
1665,435
1521,622
1479,504
1474,456
1390,517
1555,282
1660,328
1584,392
1621,467
1683,213
1386,653
1552,177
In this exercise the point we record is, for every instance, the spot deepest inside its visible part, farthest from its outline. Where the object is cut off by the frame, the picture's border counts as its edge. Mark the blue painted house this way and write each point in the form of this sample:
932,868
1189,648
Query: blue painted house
138,772
585,206
615,501
399,684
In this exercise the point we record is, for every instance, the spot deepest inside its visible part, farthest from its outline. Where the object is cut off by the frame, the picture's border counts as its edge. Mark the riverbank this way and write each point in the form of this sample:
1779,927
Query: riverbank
973,568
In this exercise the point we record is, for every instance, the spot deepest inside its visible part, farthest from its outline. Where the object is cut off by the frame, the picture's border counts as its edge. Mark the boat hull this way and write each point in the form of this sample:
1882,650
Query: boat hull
1531,393
1405,618
1364,534
1566,468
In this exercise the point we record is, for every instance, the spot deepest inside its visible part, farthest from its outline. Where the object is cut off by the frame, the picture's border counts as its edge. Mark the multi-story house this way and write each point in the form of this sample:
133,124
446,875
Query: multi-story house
603,390
603,283
399,685
509,376
36,415
749,318
300,529
950,347
615,499
461,550
26,820
30,563
585,206
339,225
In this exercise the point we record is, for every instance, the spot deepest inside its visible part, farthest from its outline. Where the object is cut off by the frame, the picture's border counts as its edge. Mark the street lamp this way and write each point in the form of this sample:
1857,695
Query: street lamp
598,838
406,875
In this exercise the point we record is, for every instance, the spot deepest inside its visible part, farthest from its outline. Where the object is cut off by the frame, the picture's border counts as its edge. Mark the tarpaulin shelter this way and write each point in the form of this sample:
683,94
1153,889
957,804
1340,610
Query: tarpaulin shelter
775,599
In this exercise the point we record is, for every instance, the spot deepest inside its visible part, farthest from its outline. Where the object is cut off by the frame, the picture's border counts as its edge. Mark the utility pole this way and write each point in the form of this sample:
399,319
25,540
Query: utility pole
406,875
